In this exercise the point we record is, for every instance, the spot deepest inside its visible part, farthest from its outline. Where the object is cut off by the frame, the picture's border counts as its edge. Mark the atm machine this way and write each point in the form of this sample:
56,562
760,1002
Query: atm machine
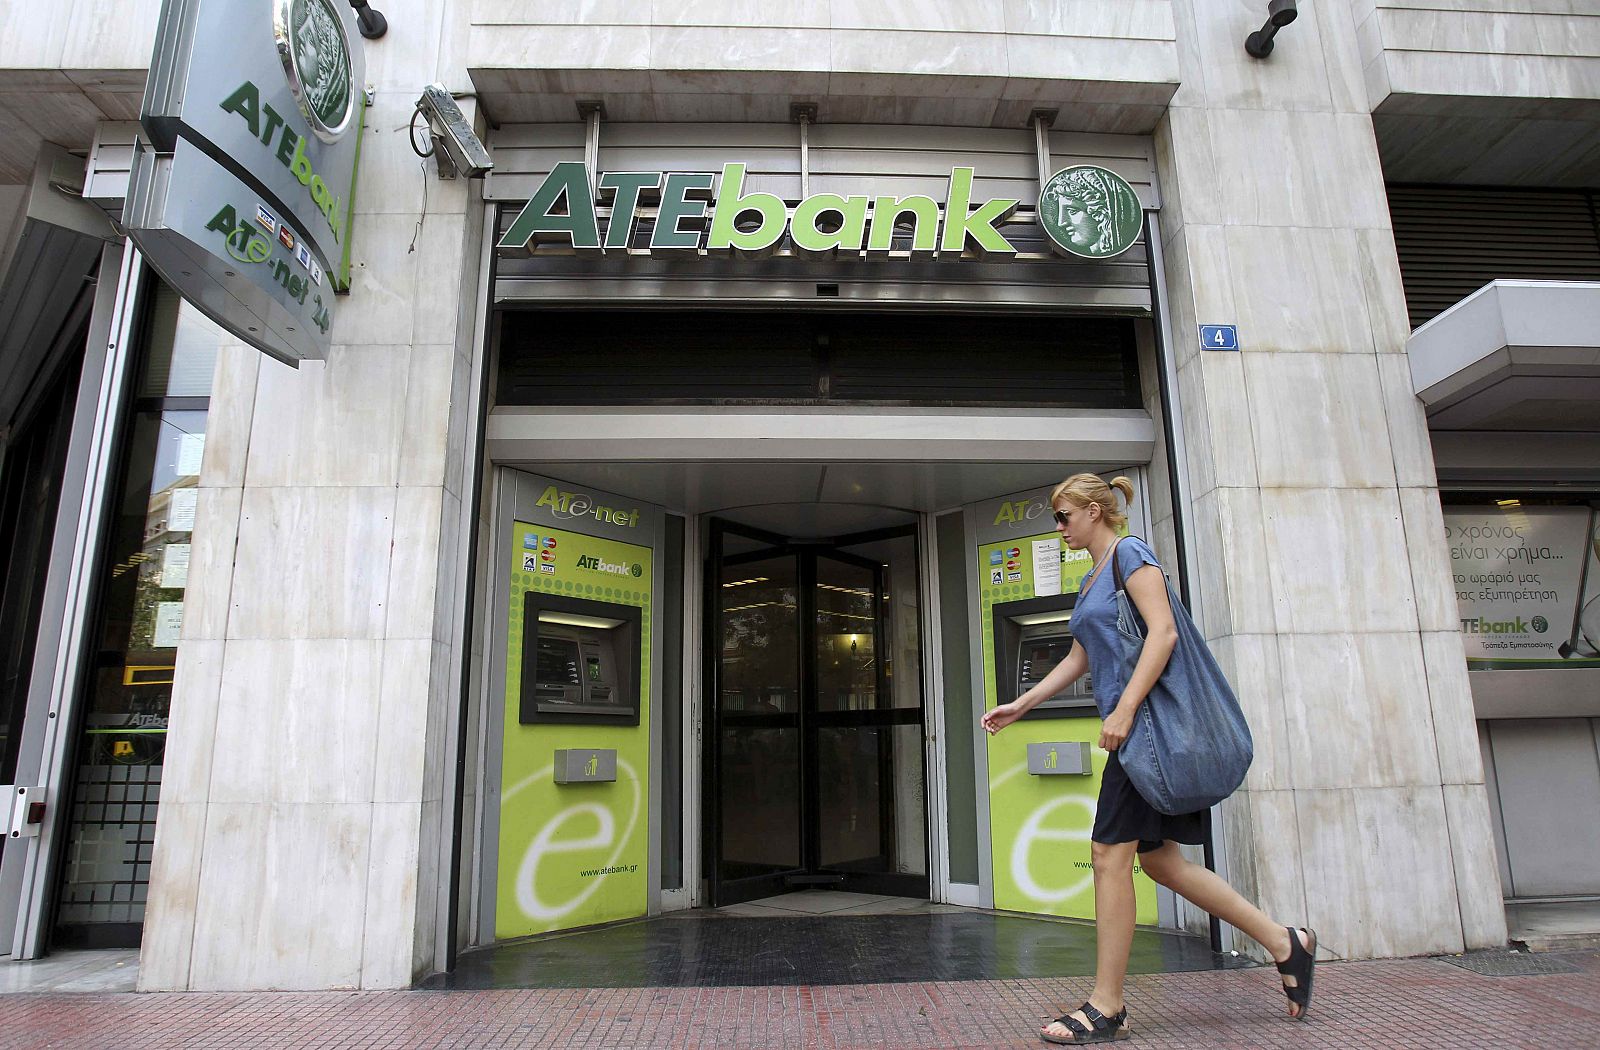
1032,636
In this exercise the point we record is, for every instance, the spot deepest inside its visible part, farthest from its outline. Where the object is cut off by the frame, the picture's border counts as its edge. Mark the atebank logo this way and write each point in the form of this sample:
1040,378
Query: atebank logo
1090,212
1476,625
598,564
562,211
316,61
582,505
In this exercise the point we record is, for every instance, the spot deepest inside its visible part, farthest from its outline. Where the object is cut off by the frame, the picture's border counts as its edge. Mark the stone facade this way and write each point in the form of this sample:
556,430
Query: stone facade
303,817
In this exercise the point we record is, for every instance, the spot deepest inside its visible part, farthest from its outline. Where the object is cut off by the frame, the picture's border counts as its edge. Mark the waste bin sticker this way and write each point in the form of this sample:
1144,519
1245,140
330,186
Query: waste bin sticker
571,855
1527,583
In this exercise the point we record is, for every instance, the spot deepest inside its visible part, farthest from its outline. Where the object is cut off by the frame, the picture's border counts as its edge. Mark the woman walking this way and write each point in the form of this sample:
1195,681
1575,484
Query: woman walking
1088,518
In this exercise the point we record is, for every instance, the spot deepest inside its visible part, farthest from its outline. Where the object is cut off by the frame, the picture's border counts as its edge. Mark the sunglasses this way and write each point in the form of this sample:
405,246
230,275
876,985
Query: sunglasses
1061,516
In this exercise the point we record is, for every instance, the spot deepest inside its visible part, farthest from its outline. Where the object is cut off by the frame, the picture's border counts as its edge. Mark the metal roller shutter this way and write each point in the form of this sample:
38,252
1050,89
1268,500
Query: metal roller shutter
621,357
1454,240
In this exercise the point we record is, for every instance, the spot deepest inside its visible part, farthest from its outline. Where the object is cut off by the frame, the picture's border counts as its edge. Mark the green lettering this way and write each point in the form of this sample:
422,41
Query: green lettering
978,226
274,122
731,204
225,220
539,223
246,102
683,198
300,167
924,212
851,232
624,188
287,146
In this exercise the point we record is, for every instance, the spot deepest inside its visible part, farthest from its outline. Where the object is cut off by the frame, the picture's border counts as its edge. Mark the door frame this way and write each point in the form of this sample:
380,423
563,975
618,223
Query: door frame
708,847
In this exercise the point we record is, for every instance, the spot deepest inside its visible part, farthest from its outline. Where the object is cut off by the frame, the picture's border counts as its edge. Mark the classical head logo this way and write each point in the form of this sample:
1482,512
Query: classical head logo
1090,212
316,59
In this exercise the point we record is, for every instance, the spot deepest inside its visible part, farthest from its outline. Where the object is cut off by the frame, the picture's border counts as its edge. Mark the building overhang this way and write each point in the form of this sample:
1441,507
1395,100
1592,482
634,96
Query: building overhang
1513,356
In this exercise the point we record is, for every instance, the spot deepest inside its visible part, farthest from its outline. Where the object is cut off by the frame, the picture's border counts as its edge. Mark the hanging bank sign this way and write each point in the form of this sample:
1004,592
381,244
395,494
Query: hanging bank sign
1085,211
242,201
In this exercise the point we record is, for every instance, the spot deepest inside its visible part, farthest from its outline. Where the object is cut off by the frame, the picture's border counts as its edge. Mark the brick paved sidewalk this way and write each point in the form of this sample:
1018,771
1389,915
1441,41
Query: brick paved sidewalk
1413,1003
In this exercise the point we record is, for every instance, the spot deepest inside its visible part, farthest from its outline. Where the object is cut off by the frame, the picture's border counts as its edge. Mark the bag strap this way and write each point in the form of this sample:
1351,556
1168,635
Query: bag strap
1116,566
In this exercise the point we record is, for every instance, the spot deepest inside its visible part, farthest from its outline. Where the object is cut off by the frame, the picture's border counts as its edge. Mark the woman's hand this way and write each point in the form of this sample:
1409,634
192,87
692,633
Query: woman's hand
1115,729
1000,717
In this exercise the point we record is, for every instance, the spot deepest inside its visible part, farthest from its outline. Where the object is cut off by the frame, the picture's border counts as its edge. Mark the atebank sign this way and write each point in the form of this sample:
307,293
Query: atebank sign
243,200
1084,211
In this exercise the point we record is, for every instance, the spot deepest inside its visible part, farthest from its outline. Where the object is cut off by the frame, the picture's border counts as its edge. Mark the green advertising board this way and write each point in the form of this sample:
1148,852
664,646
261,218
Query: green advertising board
1039,826
572,854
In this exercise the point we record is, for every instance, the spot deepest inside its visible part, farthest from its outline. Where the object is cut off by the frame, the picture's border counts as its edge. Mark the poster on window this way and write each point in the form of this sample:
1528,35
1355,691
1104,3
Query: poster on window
1527,582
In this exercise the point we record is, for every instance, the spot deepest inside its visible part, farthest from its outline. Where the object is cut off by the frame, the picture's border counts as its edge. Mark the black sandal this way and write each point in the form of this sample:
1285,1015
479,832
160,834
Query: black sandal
1300,964
1103,1029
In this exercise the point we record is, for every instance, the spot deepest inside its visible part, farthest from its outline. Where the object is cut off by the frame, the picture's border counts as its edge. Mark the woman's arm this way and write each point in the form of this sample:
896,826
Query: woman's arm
1148,590
1061,675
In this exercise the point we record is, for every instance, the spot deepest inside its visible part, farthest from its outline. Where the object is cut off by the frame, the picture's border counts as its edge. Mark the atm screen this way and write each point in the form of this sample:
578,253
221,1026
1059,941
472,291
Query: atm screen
581,660
1041,657
558,661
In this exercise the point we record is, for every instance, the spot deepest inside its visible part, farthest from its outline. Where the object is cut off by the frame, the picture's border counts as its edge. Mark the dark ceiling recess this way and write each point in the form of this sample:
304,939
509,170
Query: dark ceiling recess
560,357
1453,240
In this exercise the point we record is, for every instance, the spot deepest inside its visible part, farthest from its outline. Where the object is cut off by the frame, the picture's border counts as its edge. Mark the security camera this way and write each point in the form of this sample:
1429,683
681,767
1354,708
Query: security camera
1279,14
463,152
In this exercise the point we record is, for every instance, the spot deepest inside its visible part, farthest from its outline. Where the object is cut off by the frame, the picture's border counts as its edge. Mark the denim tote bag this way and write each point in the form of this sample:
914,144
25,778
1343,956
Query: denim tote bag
1190,745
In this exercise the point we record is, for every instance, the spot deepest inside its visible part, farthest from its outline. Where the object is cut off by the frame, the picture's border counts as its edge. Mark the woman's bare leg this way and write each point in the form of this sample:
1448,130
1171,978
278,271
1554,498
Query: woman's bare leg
1201,886
1113,929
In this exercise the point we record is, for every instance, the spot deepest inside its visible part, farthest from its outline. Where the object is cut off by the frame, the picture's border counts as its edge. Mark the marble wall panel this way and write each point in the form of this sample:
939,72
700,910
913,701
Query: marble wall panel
1293,79
35,35
1378,873
388,950
228,424
192,722
1298,290
426,437
723,49
1211,282
1232,439
1472,851
812,14
1093,59
1357,711
1280,859
519,45
1250,662
169,925
948,16
391,177
297,722
1236,835
1431,573
1338,560
405,58
1243,554
414,566
432,893
95,41
1342,56
206,600
315,563
281,937
1384,292
1409,440
383,279
901,51
439,303
1318,420
403,731
1455,730
332,422
1273,169
1125,20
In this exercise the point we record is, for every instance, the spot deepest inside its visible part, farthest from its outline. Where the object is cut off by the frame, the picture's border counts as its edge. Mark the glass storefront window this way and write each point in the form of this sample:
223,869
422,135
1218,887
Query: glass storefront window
144,577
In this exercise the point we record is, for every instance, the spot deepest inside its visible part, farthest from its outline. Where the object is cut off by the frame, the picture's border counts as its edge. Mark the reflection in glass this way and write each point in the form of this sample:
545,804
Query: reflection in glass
759,654
846,636
139,620
760,772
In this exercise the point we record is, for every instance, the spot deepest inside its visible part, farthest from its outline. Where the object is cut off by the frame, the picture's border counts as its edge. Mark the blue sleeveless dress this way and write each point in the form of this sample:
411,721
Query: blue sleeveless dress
1122,814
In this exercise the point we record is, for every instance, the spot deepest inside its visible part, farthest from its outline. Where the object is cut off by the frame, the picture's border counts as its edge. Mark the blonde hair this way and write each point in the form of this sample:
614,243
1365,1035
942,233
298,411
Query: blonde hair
1083,489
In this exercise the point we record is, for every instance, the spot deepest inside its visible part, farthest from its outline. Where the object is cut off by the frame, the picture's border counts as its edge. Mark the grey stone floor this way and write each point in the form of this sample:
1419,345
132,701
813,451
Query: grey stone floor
1557,926
832,902
82,971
